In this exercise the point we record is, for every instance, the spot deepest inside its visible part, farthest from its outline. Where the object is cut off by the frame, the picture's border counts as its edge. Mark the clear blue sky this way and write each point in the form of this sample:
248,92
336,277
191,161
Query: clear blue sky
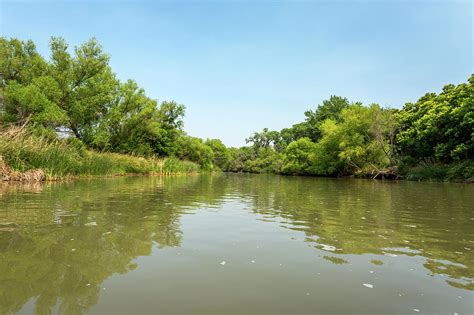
243,65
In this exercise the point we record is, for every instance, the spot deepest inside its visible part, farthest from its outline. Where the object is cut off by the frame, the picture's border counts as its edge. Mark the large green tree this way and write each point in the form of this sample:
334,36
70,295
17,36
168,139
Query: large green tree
439,127
77,95
86,82
355,144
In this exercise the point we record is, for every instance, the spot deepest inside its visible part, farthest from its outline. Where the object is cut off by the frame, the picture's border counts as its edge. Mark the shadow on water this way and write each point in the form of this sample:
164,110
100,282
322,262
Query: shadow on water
59,242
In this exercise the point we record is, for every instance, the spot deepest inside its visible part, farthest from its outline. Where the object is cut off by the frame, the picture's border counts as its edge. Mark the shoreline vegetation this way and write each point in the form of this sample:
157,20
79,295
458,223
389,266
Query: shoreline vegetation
69,116
25,157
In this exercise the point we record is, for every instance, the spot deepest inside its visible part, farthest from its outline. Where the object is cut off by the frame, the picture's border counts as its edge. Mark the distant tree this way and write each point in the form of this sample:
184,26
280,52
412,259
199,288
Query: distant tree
264,139
296,157
222,156
195,150
330,109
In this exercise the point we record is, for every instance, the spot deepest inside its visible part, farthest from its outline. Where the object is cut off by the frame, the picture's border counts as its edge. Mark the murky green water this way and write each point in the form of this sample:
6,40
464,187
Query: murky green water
237,244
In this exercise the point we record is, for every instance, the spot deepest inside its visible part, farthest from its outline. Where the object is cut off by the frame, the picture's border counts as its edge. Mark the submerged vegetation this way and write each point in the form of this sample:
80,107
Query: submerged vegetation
79,119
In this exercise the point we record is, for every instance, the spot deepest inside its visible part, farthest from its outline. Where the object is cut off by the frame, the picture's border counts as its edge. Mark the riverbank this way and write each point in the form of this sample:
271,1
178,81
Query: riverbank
462,172
25,157
28,158
456,172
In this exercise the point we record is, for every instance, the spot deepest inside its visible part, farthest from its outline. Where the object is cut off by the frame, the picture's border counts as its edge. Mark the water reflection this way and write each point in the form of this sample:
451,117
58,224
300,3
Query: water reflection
60,245
432,220
60,242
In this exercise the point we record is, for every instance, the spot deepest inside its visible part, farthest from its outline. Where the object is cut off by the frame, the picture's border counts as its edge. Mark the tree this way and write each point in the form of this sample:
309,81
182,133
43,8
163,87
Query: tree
296,157
20,62
34,103
222,155
264,139
330,109
195,150
349,146
439,126
86,83
295,132
30,95
170,118
77,95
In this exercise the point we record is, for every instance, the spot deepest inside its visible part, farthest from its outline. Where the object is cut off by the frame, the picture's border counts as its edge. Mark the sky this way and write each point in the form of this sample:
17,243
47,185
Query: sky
240,66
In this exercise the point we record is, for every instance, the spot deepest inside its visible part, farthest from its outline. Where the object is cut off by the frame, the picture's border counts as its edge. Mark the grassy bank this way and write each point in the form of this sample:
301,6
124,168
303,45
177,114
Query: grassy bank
22,151
456,172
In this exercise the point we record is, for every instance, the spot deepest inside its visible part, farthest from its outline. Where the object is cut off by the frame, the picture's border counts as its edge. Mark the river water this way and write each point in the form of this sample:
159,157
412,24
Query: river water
236,244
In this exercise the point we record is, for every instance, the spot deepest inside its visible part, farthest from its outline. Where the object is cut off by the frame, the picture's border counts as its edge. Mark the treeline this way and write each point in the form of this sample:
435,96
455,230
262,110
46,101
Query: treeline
75,98
430,139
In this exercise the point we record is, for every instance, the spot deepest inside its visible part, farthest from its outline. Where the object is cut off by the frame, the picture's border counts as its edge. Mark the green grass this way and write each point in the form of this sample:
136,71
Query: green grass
58,159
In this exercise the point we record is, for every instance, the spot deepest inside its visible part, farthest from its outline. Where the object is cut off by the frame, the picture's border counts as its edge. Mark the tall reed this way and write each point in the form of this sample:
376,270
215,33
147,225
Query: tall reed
58,159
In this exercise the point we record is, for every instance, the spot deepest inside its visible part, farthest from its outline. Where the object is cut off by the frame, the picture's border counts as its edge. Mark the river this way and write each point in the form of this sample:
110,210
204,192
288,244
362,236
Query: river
236,244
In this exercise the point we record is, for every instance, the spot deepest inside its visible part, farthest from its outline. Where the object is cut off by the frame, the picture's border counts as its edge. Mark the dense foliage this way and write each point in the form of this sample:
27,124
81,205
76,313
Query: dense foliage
78,99
433,138
439,126
78,95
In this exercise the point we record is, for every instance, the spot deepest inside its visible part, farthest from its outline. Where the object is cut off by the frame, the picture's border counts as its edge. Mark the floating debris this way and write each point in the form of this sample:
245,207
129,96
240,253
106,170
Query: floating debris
416,310
371,271
88,285
73,250
252,261
223,262
368,285
91,224
328,247
410,225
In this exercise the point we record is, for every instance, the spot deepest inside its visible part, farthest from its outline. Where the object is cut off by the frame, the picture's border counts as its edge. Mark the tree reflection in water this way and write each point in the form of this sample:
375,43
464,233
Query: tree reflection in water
61,241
